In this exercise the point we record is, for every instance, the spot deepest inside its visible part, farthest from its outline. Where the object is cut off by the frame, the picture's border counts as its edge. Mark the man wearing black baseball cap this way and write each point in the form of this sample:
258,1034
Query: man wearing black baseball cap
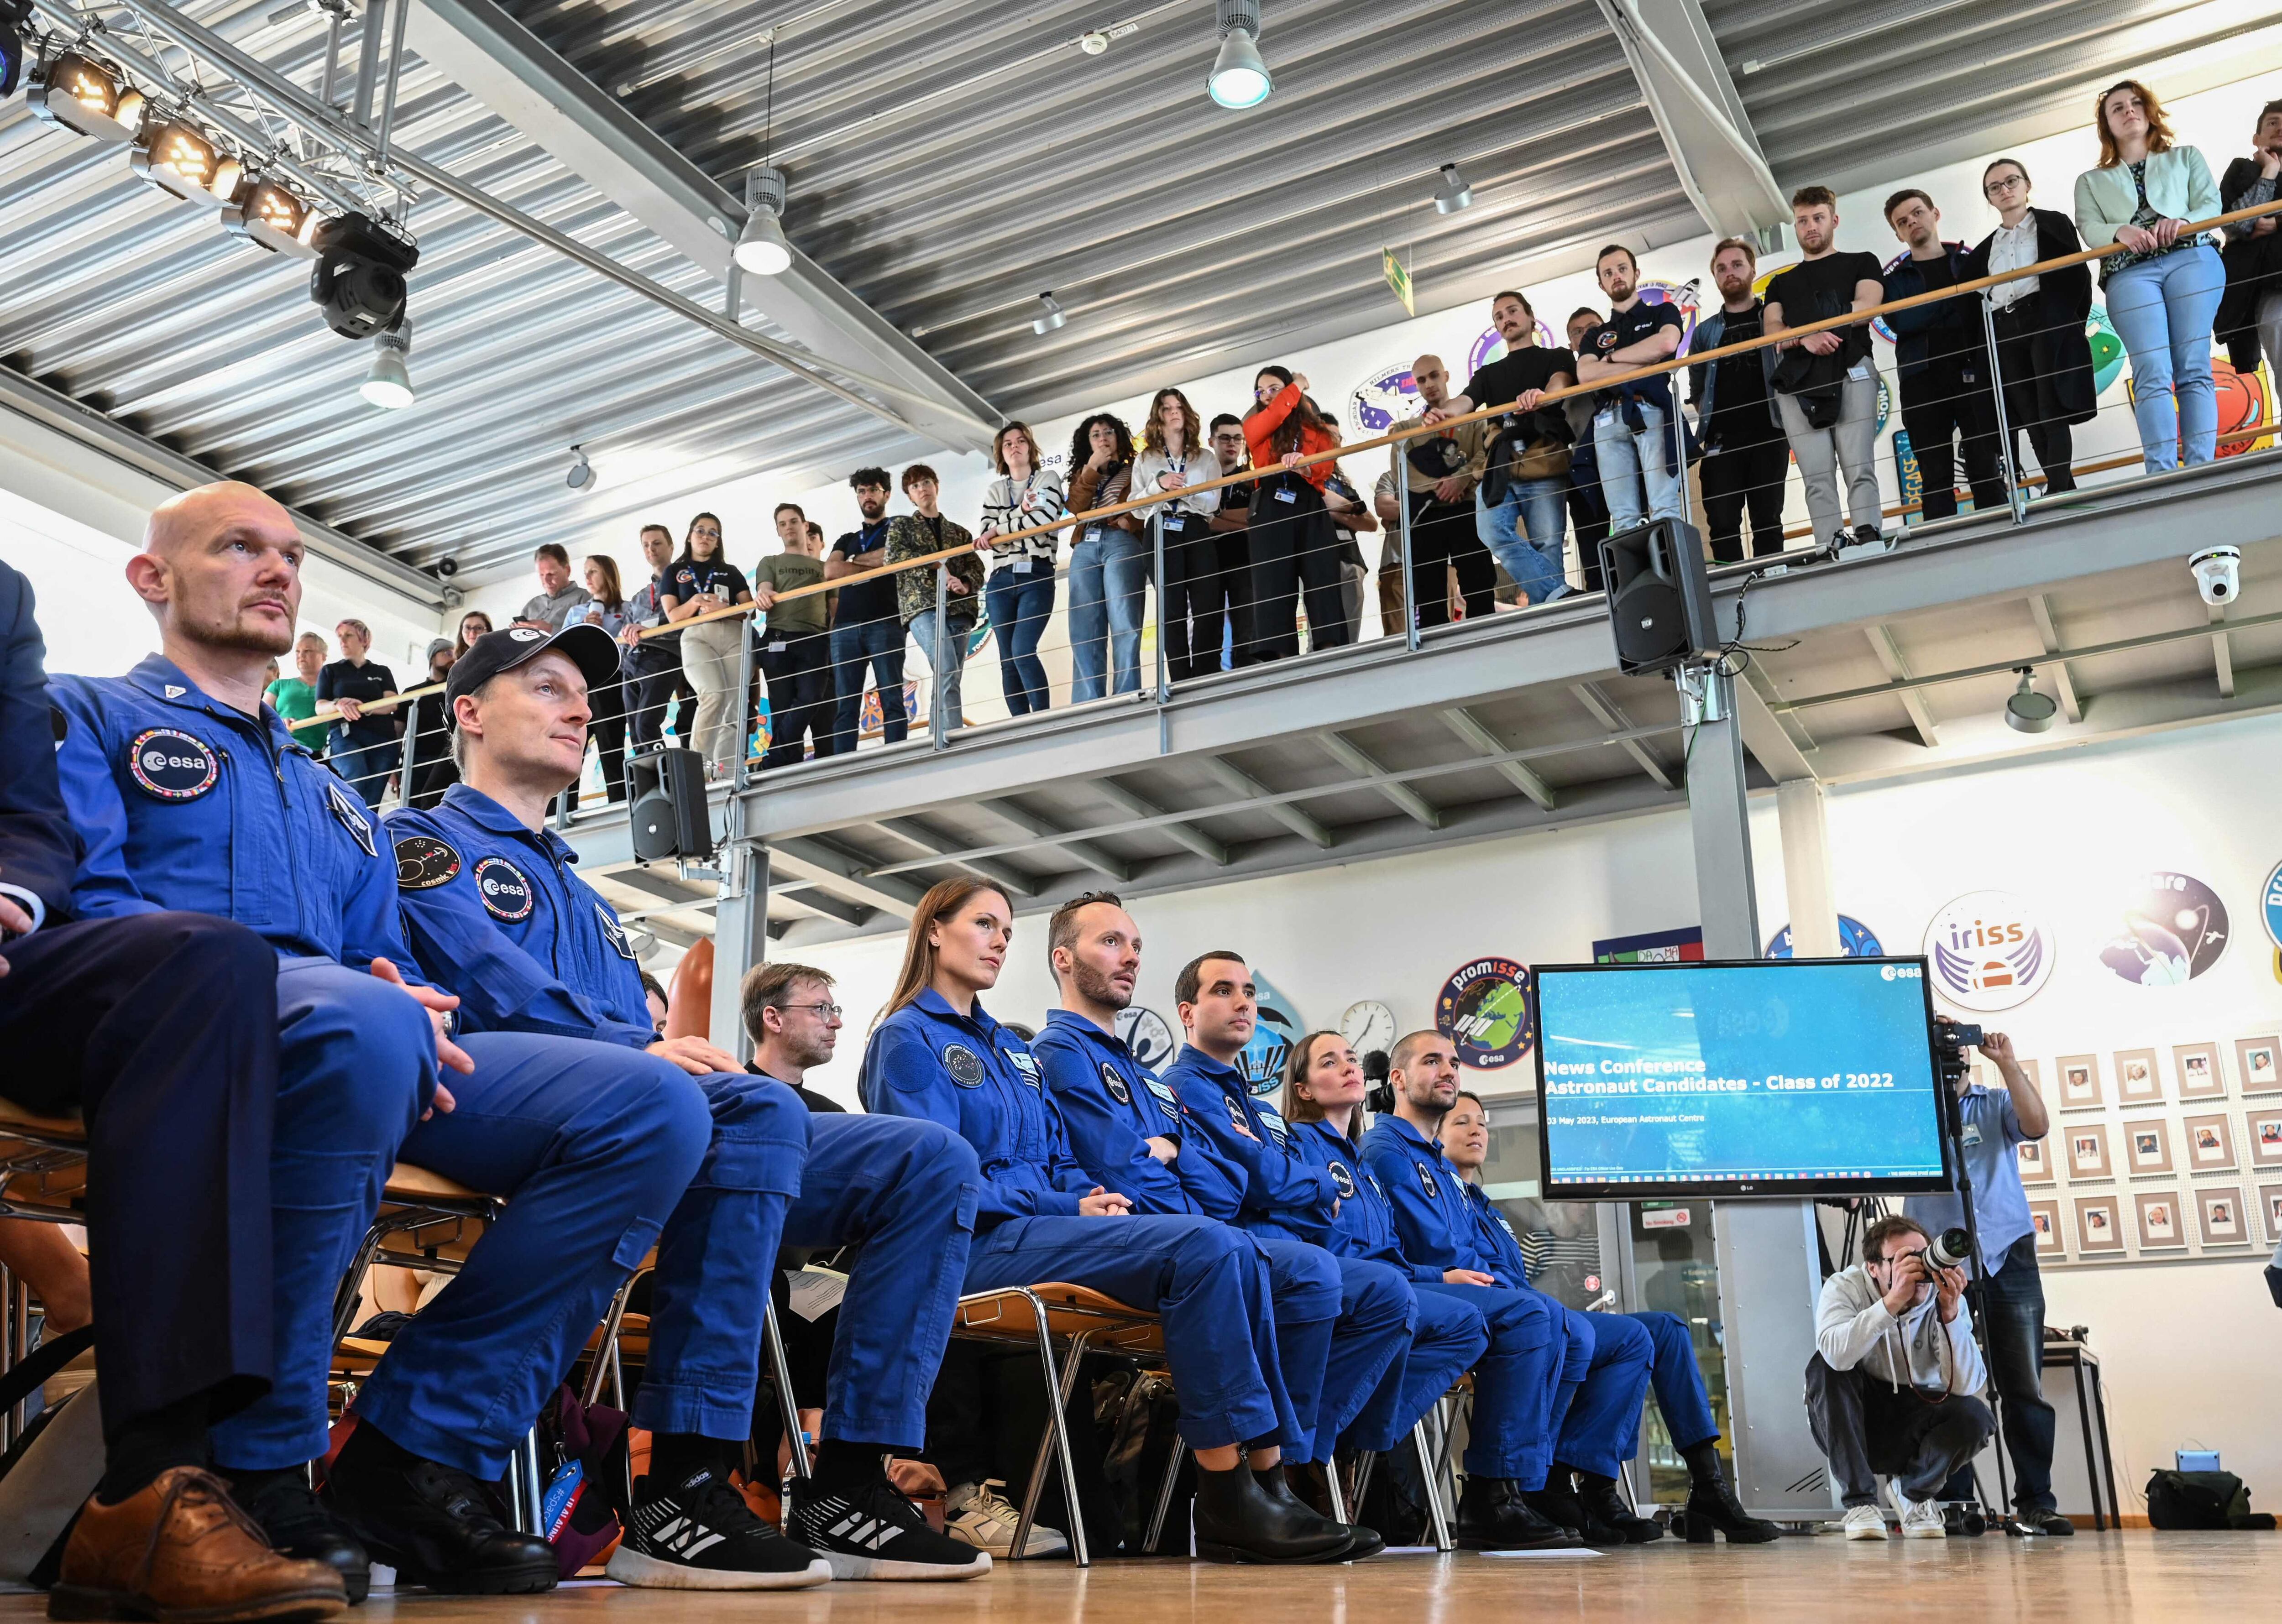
494,910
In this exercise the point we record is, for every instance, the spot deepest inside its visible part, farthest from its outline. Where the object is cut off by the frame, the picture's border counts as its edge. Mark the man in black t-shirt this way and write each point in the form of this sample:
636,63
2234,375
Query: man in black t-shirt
1525,528
363,748
1746,459
1942,355
1828,374
1636,423
865,629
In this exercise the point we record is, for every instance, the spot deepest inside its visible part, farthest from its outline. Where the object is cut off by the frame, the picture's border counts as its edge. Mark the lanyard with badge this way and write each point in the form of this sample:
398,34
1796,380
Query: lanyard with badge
1027,562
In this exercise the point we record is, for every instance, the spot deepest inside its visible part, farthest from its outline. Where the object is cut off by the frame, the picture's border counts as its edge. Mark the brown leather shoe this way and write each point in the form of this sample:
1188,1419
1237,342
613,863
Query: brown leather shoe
181,1552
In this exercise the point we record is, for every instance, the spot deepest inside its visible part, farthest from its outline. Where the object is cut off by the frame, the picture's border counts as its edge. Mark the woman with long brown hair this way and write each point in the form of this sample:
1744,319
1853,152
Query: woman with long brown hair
935,1053
1019,594
1176,456
1290,534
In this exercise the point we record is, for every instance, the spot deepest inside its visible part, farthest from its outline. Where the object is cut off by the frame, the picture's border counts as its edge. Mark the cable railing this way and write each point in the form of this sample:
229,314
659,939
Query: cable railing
1315,585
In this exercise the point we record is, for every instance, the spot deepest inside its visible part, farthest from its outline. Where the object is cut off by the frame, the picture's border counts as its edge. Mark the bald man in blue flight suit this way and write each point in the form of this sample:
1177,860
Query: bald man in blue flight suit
191,795
1340,1333
496,914
1603,1370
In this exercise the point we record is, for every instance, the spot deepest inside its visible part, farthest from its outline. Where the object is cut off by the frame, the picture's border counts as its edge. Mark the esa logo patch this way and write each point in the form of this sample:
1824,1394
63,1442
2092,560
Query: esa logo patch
423,863
350,812
1427,1182
506,892
1118,1088
964,1064
616,931
170,764
1343,1181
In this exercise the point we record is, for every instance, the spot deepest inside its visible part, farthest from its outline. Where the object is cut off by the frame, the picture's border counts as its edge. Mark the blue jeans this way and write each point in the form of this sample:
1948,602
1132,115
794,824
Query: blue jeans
1630,462
1020,606
954,660
1109,581
2162,311
1525,532
881,642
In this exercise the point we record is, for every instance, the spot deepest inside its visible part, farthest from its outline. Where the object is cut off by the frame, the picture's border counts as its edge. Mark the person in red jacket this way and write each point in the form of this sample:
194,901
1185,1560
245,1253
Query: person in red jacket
1290,533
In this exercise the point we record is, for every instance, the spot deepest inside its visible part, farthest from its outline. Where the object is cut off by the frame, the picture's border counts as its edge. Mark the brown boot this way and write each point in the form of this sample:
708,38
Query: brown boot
181,1552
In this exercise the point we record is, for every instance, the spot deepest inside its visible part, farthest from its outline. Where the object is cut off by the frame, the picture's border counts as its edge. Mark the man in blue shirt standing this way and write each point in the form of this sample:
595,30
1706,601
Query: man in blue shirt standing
2012,1306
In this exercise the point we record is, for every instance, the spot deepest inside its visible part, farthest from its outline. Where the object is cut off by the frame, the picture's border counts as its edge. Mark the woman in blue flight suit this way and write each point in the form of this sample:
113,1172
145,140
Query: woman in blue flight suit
936,1053
1672,1372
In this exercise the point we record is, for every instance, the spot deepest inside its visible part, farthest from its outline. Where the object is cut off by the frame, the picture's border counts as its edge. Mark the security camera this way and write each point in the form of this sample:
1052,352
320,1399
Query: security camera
2218,573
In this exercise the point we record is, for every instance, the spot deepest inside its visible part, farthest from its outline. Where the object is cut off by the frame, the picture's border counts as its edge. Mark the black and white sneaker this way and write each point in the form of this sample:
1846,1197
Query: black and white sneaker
700,1534
871,1532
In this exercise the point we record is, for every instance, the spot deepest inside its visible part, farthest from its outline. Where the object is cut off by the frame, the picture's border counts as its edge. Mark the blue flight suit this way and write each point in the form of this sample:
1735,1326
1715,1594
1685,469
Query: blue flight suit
1208,1282
187,804
1673,1373
1287,1200
496,914
1453,1332
1110,1105
1602,1373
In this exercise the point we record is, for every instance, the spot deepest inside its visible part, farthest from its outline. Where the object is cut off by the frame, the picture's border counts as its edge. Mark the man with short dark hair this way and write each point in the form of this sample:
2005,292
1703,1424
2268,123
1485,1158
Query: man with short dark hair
1635,421
941,638
653,664
796,646
1224,597
1746,459
2249,320
542,962
559,595
1942,357
1825,386
1892,1386
866,627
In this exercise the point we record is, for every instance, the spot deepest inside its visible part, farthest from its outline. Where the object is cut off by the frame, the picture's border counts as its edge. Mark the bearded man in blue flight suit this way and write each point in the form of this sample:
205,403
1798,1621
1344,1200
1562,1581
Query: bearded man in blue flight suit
495,914
1340,1333
190,795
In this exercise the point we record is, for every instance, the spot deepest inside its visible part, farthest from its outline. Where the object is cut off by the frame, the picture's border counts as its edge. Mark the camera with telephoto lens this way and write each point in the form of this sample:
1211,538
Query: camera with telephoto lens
1949,1249
1951,1040
1377,1068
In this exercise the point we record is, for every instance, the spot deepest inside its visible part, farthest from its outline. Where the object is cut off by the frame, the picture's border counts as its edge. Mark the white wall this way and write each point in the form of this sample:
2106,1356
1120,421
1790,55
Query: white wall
2191,1345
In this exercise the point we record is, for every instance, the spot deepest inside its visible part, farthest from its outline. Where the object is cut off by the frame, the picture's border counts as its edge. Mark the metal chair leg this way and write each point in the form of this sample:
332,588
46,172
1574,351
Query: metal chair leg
1364,1461
534,1484
1056,1436
606,1350
1431,1486
516,1502
772,1339
1173,1459
1332,1484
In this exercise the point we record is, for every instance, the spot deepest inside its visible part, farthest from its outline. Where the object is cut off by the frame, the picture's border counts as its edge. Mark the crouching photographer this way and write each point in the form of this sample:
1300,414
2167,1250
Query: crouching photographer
1892,1386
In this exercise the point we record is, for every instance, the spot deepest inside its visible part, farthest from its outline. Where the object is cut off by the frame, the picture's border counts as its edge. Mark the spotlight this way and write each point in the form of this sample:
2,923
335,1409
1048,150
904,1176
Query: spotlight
177,157
582,472
1453,194
84,96
269,216
1050,315
761,246
2027,711
1239,78
359,281
447,567
388,383
13,15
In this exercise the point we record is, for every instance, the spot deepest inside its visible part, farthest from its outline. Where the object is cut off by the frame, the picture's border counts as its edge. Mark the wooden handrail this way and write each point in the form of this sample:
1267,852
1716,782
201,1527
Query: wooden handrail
1397,436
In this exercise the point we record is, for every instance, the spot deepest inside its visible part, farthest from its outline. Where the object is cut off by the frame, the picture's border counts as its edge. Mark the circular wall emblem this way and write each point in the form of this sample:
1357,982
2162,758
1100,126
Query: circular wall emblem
2175,928
1278,1029
1990,950
506,893
1385,398
964,1064
1147,1034
1856,941
423,863
171,765
1483,1008
2270,904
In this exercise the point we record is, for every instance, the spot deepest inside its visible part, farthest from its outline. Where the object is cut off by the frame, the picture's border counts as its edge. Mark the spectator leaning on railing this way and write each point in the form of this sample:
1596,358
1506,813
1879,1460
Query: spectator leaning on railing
700,582
2163,291
363,748
608,606
1109,564
1588,506
1228,596
795,652
1174,455
866,627
1941,354
1636,428
1019,594
295,697
2249,319
1825,386
1746,459
2044,360
917,535
1290,535
558,594
652,665
1440,475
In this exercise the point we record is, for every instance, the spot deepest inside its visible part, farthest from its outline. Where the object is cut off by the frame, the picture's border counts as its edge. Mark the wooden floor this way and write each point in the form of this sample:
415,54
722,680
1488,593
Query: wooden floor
2089,1580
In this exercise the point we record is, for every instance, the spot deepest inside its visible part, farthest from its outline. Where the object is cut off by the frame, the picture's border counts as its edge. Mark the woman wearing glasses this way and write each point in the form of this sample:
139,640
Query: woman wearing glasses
2042,353
700,581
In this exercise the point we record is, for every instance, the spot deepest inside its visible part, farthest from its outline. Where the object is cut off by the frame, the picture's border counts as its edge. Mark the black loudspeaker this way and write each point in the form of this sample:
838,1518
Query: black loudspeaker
1659,597
670,818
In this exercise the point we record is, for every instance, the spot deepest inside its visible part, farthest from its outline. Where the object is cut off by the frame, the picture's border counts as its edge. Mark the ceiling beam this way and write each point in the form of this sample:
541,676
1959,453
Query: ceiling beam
1612,715
1898,669
673,891
1357,761
1684,79
1002,874
1468,728
1182,834
1239,782
1038,829
809,857
1767,736
2040,610
503,65
816,899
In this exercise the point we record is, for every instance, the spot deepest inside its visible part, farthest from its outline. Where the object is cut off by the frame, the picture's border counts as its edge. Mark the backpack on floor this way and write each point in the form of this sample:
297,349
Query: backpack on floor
2202,1500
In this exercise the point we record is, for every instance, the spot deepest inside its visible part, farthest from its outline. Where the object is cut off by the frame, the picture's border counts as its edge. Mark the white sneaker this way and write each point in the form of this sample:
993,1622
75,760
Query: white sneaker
977,1514
1864,1522
1922,1519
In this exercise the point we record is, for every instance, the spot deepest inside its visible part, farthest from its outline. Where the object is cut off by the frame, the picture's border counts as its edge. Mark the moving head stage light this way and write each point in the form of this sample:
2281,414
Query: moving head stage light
359,281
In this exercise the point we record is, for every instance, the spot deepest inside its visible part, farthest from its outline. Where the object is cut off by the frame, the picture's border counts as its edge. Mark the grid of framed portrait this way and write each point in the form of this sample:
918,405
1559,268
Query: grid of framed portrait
2158,1151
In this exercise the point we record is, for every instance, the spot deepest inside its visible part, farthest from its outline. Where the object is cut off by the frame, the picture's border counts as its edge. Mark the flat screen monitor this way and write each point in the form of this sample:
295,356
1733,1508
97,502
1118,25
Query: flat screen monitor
1774,1077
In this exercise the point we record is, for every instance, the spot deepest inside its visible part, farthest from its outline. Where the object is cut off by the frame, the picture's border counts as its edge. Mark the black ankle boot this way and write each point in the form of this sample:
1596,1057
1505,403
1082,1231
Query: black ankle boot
1557,1501
1608,1520
436,1525
1494,1514
1239,1521
1713,1508
288,1513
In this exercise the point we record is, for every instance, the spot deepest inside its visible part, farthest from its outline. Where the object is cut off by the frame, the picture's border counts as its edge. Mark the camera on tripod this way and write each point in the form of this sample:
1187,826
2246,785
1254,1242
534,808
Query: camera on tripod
1951,1040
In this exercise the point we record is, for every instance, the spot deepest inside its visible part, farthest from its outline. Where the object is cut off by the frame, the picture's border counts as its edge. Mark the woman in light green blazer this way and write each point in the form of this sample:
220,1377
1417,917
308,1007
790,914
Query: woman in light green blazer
2163,291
